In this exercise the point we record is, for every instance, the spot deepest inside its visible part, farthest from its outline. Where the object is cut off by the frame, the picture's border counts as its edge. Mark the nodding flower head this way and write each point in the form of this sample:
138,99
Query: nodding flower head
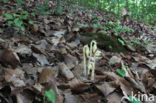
97,53
93,46
86,50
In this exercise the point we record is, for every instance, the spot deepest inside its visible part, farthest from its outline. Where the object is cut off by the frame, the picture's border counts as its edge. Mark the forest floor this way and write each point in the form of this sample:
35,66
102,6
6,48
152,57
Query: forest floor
50,50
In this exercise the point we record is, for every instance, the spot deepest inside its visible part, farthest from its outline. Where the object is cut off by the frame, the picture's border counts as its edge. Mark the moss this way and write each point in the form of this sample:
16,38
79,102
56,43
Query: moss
104,41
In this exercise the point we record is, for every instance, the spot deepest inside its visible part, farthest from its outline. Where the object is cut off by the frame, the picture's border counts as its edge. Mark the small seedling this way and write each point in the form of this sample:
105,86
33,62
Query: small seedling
18,19
121,72
50,96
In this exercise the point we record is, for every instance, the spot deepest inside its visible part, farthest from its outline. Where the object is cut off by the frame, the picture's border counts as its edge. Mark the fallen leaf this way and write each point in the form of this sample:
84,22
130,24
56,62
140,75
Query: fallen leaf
70,61
16,77
115,60
59,34
114,98
107,88
23,50
152,64
41,59
46,74
69,98
65,71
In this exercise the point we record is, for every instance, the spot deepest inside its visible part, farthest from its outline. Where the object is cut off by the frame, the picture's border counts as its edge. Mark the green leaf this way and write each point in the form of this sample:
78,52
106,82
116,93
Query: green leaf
20,2
121,41
32,14
24,12
23,16
146,42
10,22
31,22
121,72
95,25
16,15
133,99
50,95
18,22
4,1
8,16
136,42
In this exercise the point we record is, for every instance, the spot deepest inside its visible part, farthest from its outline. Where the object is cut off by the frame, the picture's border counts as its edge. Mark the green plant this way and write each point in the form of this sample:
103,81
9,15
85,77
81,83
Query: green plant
98,26
19,2
117,28
146,42
4,1
89,57
135,42
49,96
18,19
43,8
121,41
121,72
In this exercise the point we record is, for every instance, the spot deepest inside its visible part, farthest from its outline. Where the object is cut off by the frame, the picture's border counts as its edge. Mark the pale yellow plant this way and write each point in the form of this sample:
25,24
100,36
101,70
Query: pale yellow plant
90,55
91,67
85,55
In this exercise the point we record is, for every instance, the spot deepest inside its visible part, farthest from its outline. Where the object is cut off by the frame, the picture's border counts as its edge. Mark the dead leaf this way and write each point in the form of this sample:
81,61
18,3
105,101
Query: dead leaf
46,21
70,61
41,59
107,88
34,28
93,98
151,48
69,98
78,86
152,64
38,87
9,57
16,77
114,98
46,75
59,34
65,71
23,50
115,60
22,99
